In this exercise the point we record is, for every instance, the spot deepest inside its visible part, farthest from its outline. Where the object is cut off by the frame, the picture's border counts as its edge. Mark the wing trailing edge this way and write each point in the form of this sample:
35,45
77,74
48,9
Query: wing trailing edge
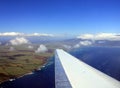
73,73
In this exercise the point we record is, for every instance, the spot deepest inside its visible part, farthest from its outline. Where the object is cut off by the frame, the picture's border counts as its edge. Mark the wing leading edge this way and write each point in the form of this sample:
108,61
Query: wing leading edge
77,74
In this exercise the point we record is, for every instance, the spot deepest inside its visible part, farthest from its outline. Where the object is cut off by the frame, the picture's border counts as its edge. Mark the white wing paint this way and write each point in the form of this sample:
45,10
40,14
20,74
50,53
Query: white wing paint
73,73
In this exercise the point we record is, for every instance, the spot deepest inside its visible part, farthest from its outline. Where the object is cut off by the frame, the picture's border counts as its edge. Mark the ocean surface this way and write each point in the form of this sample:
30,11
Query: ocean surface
105,59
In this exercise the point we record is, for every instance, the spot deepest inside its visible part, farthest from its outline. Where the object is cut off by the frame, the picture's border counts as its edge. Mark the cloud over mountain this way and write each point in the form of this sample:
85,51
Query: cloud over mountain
41,49
67,46
100,36
19,41
83,43
30,47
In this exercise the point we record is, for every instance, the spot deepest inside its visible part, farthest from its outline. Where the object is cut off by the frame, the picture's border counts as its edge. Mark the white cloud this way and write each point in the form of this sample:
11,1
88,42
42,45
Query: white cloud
77,45
41,49
67,46
19,41
83,43
11,48
11,34
30,47
101,36
23,34
40,34
107,36
86,36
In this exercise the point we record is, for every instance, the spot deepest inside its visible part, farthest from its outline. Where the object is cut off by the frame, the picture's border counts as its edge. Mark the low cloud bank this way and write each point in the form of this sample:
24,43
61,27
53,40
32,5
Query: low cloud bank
19,41
101,36
40,34
11,34
67,46
83,43
23,34
41,49
30,47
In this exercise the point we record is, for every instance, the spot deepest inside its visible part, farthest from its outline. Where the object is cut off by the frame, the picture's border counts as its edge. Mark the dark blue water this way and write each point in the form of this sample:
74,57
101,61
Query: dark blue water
44,78
105,59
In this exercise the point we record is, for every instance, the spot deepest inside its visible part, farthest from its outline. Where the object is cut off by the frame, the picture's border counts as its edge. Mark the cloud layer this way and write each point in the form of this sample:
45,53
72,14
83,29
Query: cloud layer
11,34
41,49
67,46
30,47
19,41
101,36
83,43
23,34
42,34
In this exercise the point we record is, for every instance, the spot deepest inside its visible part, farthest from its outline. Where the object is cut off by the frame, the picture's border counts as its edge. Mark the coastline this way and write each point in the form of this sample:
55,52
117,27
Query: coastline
29,73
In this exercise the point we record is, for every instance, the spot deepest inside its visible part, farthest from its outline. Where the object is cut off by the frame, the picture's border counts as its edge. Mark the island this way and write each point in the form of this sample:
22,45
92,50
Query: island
20,60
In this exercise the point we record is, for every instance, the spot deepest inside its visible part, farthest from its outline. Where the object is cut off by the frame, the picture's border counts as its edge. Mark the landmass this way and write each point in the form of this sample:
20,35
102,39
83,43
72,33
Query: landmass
20,60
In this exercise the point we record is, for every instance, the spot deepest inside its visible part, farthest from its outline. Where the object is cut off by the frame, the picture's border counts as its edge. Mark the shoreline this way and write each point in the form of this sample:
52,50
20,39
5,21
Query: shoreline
29,73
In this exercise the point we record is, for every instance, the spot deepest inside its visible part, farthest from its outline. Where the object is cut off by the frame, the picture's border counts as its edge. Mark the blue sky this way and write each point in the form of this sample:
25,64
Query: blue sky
60,16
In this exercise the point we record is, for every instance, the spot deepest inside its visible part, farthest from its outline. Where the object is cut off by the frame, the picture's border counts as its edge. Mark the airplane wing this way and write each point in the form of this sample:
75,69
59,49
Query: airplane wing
73,73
